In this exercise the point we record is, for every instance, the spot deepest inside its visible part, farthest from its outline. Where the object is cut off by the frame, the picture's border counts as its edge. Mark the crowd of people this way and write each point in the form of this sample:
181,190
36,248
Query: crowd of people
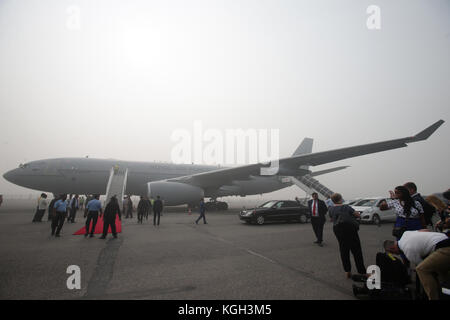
421,232
63,208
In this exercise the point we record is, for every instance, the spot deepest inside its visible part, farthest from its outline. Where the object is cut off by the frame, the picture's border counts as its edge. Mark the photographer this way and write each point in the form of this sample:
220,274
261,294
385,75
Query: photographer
430,252
409,212
345,227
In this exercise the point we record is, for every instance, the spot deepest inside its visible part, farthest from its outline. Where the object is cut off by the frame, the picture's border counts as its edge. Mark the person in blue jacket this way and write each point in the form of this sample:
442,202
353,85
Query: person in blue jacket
202,212
93,208
59,215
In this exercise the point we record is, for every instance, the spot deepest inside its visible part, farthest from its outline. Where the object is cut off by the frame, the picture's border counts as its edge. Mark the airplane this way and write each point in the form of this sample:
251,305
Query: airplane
179,184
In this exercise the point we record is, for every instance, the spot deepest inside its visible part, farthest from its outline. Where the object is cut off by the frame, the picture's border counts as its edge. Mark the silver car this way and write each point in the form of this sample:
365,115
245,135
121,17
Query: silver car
370,210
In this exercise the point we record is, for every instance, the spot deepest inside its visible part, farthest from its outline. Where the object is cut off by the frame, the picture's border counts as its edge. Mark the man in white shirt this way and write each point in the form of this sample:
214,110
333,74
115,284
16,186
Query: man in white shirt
430,252
42,206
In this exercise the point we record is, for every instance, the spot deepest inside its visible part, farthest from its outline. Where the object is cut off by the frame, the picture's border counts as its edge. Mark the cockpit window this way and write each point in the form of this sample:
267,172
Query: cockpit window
33,165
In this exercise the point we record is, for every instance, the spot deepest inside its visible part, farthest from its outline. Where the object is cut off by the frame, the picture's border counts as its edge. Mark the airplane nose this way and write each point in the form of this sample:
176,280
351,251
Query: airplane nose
10,175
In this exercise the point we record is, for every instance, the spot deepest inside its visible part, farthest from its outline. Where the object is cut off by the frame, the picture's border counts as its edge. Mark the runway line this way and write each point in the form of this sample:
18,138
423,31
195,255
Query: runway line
104,270
260,255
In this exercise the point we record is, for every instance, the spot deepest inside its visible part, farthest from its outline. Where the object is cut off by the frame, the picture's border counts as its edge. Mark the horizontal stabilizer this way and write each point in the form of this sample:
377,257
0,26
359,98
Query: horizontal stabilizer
318,173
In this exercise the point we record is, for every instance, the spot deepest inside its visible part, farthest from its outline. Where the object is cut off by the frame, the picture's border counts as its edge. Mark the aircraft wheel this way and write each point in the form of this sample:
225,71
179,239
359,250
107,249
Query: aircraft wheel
223,206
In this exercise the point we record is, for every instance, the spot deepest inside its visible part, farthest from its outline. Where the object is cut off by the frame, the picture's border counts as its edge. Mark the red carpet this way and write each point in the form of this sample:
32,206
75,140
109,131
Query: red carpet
99,227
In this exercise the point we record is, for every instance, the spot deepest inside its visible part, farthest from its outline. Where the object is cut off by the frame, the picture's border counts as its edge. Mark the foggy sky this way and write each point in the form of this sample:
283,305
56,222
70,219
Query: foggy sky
135,71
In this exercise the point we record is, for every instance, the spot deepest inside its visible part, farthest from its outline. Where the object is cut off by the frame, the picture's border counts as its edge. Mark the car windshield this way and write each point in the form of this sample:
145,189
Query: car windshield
268,204
366,203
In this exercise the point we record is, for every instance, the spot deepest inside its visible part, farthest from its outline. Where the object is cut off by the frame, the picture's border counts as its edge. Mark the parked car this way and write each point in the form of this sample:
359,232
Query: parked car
370,210
351,202
276,210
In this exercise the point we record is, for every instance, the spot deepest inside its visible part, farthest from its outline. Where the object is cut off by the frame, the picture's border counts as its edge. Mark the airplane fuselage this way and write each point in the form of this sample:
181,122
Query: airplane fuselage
90,176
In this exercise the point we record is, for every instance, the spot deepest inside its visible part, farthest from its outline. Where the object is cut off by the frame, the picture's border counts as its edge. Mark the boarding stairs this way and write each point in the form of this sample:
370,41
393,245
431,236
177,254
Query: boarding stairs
310,185
116,183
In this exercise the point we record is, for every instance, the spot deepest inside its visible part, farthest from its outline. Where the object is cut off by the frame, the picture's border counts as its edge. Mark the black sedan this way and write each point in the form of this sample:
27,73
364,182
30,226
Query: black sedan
276,210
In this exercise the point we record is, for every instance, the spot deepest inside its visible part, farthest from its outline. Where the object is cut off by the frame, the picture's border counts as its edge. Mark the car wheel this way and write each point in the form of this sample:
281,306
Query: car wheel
223,206
260,220
303,219
376,219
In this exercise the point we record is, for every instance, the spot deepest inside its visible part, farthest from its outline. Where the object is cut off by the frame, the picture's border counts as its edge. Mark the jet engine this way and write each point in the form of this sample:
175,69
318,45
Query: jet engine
175,193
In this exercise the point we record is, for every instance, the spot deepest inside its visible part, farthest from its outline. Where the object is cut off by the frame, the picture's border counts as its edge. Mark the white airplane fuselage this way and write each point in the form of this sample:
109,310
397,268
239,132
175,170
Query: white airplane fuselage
90,176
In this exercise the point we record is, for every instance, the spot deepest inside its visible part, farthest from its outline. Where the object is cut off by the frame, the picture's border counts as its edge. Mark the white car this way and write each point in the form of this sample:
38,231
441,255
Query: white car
370,210
352,202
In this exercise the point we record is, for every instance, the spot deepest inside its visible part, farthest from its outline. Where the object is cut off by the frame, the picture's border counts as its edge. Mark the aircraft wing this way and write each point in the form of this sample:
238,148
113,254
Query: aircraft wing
220,177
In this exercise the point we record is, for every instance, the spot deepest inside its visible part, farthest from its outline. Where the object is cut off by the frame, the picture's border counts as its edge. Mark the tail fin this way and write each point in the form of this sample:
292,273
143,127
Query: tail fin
304,148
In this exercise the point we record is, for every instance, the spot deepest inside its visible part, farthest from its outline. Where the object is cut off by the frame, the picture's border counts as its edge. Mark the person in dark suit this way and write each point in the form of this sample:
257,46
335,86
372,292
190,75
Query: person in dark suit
141,209
109,217
50,208
157,208
428,210
318,209
129,207
345,228
73,207
148,207
202,212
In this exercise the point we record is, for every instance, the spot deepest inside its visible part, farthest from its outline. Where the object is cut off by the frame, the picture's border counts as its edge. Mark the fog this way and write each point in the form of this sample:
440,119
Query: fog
114,79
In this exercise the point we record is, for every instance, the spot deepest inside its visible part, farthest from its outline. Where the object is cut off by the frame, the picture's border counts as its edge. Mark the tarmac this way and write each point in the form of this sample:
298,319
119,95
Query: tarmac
225,259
